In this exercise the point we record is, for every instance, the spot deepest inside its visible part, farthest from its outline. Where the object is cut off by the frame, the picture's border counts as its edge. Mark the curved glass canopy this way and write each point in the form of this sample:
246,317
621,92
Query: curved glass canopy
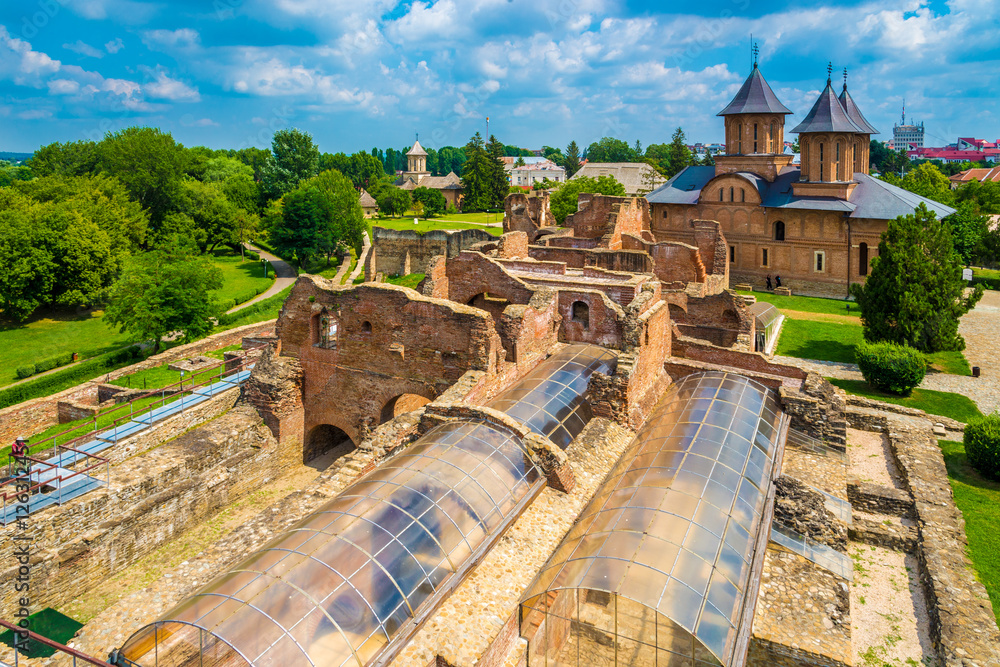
349,583
767,320
657,567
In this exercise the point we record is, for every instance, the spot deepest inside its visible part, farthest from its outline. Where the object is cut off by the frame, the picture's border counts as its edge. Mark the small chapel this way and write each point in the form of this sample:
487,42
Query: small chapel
417,176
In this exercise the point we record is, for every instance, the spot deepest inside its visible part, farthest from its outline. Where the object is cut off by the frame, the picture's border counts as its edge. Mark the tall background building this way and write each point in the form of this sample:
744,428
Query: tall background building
904,134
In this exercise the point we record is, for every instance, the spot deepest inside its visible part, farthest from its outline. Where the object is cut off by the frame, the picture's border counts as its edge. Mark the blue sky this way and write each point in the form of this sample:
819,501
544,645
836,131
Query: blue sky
364,73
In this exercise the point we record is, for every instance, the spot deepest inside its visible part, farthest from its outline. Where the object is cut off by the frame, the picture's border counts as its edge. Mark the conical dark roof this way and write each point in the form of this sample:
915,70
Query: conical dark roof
828,115
855,113
755,97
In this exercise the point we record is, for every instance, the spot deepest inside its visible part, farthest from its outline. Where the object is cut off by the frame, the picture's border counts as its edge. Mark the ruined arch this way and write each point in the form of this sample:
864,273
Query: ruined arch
324,438
401,404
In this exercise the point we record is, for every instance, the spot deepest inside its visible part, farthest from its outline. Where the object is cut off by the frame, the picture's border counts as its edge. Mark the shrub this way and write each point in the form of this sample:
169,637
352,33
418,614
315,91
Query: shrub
982,444
25,371
890,367
986,281
45,365
64,359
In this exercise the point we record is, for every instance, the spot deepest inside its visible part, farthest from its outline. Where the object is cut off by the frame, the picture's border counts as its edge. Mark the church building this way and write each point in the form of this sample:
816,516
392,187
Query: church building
817,224
417,176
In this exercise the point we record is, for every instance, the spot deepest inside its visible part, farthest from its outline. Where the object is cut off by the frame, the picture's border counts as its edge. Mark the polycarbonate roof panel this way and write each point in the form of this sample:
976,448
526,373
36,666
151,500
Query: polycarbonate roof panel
549,399
765,313
675,525
337,587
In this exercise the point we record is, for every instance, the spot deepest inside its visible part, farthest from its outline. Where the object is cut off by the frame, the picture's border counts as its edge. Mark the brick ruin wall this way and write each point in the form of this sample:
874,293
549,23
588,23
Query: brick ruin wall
527,213
631,261
39,414
607,218
153,498
390,341
402,252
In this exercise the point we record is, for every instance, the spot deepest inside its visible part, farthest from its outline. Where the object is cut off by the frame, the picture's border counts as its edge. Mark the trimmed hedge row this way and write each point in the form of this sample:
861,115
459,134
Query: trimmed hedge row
28,370
243,298
270,306
890,367
989,283
86,370
982,445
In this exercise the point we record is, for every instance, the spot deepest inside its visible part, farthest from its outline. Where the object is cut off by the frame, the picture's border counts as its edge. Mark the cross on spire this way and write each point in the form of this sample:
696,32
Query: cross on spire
845,77
829,71
756,54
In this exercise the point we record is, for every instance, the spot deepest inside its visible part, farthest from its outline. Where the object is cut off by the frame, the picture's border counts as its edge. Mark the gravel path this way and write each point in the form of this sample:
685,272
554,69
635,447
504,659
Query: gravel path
365,249
979,327
871,460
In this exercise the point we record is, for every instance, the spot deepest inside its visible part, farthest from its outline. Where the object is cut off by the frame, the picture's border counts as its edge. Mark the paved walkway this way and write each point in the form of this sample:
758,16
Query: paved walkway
365,249
284,271
979,327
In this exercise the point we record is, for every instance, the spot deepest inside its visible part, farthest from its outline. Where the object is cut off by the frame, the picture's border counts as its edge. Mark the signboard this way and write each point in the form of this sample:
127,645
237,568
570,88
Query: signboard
967,274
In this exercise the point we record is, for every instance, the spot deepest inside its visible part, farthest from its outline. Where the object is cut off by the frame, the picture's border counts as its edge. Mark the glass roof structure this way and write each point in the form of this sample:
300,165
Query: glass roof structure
767,321
658,567
352,582
549,400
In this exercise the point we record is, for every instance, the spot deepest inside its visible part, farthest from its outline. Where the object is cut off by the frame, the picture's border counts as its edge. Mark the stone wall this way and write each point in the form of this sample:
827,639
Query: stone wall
527,213
818,409
39,414
401,252
152,498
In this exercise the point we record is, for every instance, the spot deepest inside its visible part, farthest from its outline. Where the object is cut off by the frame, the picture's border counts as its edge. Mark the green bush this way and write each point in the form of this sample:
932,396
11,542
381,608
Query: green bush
45,365
982,444
890,367
64,359
988,283
25,371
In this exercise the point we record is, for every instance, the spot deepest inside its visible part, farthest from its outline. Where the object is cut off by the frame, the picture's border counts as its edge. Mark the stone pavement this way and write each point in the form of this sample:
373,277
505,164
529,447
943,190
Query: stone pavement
979,327
284,271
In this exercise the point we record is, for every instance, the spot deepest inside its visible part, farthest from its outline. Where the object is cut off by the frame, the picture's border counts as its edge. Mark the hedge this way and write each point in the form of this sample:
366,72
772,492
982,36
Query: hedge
890,367
26,371
982,445
70,377
989,283
270,307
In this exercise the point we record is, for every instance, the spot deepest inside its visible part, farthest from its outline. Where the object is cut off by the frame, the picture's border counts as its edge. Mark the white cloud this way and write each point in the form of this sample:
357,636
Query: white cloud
426,21
184,38
114,46
84,49
162,87
64,87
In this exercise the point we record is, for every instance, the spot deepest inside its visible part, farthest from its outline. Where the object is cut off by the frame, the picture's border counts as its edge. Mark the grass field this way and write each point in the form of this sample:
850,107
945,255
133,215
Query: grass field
411,280
239,279
448,223
318,266
481,218
824,329
941,403
979,501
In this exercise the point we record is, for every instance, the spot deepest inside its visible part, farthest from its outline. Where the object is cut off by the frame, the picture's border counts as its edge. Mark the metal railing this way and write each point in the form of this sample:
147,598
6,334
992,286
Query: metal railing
39,471
72,652
39,467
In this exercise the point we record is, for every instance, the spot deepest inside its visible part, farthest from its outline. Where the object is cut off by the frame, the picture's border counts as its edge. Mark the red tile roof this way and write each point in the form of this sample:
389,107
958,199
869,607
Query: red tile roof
978,175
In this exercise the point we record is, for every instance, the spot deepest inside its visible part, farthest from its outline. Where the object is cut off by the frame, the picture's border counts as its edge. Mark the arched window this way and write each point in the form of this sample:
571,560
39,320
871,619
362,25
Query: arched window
581,313
839,175
731,192
772,144
779,231
739,150
720,195
821,162
755,138
863,259
743,195
366,327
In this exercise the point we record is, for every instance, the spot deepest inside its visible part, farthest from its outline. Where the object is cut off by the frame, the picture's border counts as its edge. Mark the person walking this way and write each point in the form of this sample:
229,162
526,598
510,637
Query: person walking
768,282
777,280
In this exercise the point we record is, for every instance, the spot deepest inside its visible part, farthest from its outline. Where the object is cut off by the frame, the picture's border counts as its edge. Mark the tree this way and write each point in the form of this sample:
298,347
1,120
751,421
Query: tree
212,215
294,158
915,293
969,231
236,180
10,173
163,291
150,164
345,222
392,200
499,180
297,233
927,180
433,201
572,162
984,194
74,158
678,155
477,176
610,149
564,200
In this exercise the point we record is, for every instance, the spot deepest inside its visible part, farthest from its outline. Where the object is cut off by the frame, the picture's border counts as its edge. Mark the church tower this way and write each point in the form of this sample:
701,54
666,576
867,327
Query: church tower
828,139
862,140
416,160
755,131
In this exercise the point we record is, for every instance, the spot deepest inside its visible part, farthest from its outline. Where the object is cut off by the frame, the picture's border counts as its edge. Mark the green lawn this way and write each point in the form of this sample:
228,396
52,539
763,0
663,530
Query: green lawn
979,501
240,280
941,403
809,304
53,333
446,222
986,273
482,218
826,341
318,266
411,280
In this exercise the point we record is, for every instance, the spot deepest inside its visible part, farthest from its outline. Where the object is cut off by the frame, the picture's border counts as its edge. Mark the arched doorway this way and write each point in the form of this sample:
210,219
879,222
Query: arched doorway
324,439
401,405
